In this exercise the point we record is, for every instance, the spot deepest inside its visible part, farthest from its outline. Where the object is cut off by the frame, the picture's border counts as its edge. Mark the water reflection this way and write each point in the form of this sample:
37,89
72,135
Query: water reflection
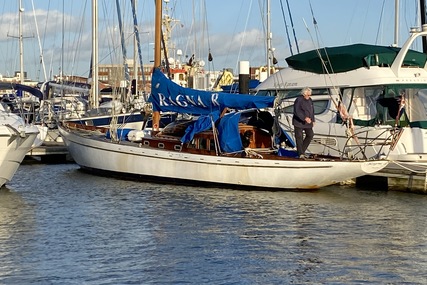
16,224
113,231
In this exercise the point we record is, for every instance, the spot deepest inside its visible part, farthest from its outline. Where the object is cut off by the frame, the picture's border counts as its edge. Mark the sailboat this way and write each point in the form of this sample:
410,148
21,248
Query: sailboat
370,100
235,150
213,146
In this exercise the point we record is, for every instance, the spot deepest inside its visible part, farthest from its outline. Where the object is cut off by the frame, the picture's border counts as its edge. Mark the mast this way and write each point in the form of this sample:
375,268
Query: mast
21,45
157,33
269,51
423,22
20,38
94,102
157,53
396,23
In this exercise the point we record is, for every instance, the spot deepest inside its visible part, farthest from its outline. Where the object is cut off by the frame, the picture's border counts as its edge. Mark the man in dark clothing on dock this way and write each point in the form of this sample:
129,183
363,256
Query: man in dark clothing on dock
303,121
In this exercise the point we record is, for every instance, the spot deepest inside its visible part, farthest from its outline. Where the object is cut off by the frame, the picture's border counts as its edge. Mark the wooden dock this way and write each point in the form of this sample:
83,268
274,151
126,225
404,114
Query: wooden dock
50,152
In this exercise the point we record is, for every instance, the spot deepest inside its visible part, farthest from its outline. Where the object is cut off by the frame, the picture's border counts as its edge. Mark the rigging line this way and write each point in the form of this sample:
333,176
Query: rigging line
338,105
38,40
138,42
111,39
79,40
46,24
317,43
314,23
210,59
191,32
407,168
328,73
231,45
379,24
124,52
286,28
292,25
243,38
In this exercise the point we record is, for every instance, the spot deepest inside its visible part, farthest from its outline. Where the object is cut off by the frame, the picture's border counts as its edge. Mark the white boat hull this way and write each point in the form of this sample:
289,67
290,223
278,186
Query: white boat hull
13,148
132,159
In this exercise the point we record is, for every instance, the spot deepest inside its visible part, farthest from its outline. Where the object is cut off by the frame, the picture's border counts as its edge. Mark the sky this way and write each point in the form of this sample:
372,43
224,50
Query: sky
57,34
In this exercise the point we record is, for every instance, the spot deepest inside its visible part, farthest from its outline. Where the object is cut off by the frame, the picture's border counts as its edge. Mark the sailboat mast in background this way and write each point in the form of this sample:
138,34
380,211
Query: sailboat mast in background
21,45
269,36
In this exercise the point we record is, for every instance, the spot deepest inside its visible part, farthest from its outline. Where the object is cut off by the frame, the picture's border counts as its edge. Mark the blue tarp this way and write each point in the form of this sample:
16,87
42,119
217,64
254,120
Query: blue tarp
203,123
229,136
122,134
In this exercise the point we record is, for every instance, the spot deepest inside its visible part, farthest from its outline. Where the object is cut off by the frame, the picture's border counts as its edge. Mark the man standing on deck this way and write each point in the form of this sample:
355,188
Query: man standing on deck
303,121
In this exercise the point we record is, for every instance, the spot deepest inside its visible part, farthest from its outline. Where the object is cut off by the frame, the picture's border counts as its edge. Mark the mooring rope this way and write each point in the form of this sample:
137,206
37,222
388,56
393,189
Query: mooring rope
409,169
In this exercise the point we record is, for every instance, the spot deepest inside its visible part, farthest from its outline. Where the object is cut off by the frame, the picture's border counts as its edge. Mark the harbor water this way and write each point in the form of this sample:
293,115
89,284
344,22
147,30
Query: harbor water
59,225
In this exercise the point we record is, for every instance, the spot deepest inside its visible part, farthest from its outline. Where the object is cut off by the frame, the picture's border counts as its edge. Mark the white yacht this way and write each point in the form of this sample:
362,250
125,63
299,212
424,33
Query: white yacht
16,139
369,100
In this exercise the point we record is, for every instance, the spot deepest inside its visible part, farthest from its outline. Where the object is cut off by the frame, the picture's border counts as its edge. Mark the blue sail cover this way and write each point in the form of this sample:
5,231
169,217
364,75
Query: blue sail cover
20,88
167,96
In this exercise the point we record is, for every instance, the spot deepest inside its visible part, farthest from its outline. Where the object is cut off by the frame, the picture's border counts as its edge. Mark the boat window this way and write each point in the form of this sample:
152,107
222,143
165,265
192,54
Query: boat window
403,104
415,104
192,144
320,106
212,145
297,92
361,102
203,144
286,94
266,93
291,93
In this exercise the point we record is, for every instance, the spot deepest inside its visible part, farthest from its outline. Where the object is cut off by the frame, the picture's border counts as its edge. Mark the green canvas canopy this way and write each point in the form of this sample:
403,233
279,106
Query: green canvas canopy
346,58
